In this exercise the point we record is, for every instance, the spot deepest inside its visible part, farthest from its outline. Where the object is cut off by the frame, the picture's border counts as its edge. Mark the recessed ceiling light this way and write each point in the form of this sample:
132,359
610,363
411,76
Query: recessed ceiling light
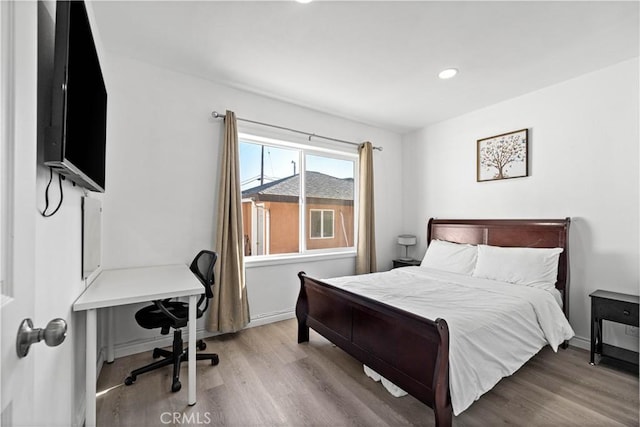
448,73
304,1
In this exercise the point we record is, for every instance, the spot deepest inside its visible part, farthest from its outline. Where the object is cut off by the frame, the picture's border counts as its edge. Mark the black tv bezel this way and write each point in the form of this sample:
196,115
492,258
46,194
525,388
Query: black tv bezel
55,135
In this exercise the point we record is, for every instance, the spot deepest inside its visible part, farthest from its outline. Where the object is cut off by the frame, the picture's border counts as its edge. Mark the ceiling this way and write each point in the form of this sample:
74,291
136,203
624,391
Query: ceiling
376,62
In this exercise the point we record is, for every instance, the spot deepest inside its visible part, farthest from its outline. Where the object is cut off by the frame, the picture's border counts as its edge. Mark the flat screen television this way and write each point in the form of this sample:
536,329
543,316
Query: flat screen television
76,140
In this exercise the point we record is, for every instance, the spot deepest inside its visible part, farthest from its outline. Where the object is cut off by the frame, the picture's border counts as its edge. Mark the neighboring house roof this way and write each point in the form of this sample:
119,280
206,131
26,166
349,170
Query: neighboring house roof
318,186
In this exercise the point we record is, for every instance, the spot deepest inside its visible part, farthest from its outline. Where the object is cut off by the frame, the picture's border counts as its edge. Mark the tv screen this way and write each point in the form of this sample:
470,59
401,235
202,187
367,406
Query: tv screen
76,141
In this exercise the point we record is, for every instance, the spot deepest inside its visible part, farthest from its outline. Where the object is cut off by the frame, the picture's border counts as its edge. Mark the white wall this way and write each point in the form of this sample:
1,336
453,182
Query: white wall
162,182
583,154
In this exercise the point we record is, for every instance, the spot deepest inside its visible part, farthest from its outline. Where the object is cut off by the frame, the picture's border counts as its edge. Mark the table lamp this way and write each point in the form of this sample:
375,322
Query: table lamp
406,240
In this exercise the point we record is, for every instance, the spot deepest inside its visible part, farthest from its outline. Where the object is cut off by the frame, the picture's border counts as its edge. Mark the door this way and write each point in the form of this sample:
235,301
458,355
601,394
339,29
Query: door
18,133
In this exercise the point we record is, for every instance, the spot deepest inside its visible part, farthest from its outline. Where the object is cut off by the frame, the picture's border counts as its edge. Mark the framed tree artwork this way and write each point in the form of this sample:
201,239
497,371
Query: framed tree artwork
503,156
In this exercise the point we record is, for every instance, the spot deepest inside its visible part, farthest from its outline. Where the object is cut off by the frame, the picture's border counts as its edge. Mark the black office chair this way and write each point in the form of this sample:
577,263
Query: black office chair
166,314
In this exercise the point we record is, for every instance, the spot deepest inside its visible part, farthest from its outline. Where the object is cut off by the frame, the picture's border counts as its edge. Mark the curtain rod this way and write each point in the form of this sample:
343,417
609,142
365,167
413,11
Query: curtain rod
217,115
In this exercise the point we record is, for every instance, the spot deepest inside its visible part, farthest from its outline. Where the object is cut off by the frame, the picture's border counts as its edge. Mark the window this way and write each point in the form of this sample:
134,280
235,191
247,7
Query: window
321,224
296,198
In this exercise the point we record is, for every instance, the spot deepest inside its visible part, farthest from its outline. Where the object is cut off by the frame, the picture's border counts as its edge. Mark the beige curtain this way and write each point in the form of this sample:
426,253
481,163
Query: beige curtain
366,256
229,311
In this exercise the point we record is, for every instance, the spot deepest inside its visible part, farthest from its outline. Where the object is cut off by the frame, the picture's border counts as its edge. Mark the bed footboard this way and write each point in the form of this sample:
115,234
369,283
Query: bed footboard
408,350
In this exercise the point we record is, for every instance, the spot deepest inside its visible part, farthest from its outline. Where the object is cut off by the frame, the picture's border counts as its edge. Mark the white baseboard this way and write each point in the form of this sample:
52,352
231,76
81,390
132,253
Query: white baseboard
143,345
272,317
580,342
148,344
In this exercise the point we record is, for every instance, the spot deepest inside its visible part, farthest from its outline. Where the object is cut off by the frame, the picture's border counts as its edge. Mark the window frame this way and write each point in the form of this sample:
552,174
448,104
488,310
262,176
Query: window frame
329,150
322,233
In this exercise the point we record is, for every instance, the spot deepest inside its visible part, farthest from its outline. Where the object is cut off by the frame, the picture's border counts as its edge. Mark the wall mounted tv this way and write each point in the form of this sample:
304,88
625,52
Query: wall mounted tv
75,142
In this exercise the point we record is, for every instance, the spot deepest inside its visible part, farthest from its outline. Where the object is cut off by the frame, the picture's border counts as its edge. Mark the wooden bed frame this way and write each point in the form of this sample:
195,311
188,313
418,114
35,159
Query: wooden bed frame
409,350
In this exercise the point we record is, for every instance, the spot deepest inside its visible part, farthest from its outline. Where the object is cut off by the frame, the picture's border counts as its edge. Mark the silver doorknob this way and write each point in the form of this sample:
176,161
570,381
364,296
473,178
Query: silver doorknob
53,335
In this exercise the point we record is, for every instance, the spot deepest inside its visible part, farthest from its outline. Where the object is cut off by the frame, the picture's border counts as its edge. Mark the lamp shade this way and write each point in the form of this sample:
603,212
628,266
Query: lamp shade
407,240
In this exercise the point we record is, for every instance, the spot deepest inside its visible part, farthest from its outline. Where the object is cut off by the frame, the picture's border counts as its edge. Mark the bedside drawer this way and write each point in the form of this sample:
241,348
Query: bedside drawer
617,311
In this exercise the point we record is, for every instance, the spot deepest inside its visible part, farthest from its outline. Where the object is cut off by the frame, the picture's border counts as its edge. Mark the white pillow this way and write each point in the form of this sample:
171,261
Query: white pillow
536,267
448,256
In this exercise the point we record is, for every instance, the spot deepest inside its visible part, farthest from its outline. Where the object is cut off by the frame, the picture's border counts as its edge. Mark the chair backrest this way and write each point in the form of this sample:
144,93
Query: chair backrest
202,266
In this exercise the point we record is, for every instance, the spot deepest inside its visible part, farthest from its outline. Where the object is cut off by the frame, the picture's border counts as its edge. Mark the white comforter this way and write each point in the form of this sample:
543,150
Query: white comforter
494,327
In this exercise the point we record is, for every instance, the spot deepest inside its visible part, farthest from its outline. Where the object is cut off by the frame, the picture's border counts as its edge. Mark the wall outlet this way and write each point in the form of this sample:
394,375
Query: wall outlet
631,330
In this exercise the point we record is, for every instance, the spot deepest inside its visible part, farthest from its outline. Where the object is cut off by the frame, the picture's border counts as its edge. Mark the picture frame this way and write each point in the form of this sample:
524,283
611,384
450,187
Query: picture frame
503,156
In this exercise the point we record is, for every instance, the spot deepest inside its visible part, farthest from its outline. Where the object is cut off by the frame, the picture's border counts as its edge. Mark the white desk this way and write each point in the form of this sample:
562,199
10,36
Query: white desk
128,286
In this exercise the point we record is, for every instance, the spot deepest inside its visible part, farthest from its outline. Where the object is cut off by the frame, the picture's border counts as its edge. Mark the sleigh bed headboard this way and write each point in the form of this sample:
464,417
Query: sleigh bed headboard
531,233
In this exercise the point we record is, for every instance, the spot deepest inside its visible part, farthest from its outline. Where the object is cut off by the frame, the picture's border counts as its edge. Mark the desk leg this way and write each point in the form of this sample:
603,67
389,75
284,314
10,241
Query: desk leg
110,353
91,357
192,350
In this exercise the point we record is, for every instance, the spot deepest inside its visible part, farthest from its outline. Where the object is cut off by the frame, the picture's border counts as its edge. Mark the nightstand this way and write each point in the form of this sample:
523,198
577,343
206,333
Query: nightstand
406,263
614,307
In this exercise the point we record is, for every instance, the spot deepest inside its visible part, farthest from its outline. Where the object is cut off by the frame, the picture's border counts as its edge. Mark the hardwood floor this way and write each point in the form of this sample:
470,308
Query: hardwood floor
266,379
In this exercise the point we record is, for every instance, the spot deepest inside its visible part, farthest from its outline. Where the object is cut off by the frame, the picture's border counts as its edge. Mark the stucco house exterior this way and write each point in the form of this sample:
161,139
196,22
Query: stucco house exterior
271,214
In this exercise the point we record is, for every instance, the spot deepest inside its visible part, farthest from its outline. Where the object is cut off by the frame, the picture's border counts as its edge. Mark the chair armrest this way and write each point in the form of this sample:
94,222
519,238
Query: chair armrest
167,313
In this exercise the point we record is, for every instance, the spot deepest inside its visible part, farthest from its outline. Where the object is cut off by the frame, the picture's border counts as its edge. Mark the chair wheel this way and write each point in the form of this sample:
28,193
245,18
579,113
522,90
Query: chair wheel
215,360
202,345
176,386
156,353
129,380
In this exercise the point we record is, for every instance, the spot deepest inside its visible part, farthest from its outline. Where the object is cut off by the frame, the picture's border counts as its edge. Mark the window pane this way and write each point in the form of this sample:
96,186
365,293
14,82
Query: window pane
270,186
327,224
316,224
329,188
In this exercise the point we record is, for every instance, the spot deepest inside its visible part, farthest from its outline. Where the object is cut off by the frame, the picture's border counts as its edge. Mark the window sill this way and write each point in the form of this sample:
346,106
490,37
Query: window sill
263,261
